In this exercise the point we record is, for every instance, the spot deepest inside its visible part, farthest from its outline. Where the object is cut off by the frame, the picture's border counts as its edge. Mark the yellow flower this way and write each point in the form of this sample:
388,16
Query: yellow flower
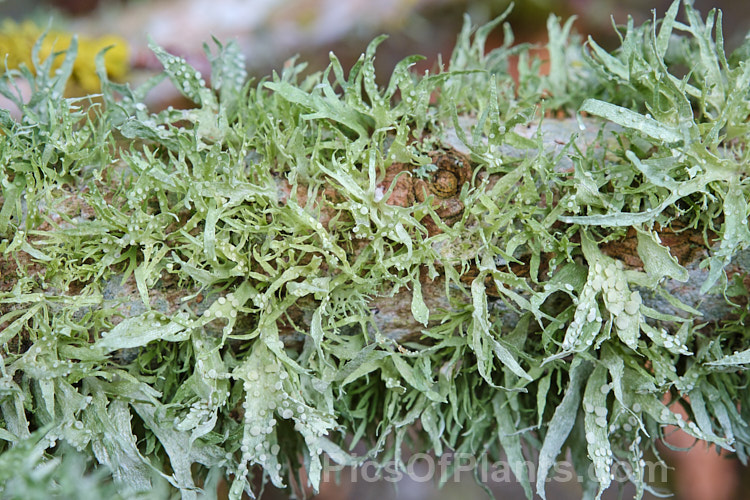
17,42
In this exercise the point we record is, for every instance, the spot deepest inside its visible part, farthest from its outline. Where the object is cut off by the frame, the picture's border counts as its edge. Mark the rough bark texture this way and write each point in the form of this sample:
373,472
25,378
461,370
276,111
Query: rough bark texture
393,315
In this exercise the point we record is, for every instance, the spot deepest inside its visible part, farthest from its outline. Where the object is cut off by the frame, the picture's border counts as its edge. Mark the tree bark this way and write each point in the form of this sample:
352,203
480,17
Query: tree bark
392,315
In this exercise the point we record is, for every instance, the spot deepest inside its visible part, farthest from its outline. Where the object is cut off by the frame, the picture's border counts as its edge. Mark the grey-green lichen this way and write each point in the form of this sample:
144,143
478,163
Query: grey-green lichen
254,236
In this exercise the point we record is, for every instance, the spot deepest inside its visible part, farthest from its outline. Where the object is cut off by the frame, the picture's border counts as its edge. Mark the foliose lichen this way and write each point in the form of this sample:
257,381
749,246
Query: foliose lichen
190,295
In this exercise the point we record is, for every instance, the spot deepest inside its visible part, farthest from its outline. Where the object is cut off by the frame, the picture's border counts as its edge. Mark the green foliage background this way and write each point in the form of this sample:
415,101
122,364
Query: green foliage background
189,199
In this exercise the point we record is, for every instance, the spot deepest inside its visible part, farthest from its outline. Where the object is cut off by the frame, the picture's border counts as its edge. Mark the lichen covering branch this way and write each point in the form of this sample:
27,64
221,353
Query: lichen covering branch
309,261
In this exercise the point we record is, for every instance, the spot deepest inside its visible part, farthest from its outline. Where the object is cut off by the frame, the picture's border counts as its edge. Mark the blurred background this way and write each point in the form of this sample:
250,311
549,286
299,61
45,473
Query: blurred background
270,32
